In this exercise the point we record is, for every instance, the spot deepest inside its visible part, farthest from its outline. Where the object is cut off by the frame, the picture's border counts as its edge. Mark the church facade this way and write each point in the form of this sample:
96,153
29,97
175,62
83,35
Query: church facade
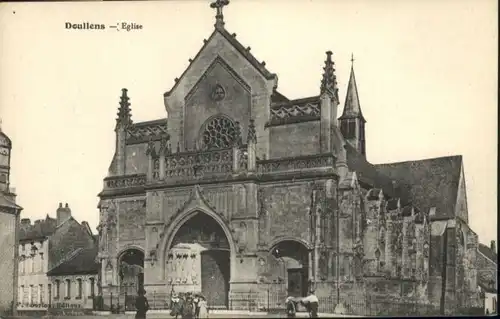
242,188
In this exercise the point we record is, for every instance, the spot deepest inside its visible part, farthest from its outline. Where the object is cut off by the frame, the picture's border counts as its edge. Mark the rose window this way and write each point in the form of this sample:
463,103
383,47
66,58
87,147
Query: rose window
220,132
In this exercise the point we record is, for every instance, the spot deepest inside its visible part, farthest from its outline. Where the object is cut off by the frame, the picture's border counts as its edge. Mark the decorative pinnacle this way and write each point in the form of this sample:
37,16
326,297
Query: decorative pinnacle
219,5
329,81
124,115
251,135
352,60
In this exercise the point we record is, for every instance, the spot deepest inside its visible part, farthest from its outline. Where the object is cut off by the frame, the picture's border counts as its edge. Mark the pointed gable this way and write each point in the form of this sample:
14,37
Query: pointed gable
221,32
461,209
224,79
352,108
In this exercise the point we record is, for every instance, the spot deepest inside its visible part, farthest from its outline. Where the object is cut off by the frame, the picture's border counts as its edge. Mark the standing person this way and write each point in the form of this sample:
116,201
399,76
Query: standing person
188,309
196,302
202,307
141,304
291,307
176,306
311,302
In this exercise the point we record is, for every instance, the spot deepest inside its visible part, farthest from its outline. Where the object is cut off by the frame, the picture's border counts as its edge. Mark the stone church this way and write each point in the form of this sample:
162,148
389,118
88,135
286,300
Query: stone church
241,189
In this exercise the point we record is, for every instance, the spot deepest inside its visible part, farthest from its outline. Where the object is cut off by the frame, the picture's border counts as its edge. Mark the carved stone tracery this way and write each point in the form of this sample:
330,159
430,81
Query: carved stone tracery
297,163
220,132
287,111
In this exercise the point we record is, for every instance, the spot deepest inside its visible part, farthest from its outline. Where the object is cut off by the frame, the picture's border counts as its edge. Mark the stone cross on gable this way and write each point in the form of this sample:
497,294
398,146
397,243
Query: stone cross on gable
219,4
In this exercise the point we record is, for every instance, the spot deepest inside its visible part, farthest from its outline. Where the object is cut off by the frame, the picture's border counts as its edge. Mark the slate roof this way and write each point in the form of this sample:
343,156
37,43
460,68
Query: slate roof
488,252
368,174
487,288
83,262
231,38
277,97
40,229
434,182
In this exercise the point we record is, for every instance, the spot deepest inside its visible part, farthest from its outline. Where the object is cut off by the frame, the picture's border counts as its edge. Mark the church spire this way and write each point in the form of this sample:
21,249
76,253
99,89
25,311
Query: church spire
352,121
219,5
329,80
124,111
352,108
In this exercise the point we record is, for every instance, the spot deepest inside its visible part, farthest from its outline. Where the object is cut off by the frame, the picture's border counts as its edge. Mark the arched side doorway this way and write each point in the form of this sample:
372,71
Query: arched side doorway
293,257
131,270
199,258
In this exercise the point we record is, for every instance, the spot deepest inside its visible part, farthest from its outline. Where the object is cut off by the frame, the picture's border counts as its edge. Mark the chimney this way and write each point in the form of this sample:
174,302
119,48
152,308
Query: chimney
63,213
493,246
25,221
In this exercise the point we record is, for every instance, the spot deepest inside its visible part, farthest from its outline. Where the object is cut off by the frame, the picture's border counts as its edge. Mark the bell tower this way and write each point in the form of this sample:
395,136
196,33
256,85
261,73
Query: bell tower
352,122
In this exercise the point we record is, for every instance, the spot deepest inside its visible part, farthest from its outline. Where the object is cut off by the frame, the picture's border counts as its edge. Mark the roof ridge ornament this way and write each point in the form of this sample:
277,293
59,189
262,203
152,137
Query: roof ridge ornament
219,5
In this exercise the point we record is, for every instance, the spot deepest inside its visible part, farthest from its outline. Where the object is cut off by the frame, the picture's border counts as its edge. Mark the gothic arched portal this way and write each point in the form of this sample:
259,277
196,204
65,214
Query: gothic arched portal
131,270
293,266
198,259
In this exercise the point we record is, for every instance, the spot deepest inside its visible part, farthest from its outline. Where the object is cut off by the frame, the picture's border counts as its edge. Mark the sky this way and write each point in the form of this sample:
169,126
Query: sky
426,73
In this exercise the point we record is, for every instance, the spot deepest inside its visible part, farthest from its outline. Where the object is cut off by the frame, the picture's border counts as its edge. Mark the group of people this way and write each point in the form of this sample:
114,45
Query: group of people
194,306
189,306
185,306
310,302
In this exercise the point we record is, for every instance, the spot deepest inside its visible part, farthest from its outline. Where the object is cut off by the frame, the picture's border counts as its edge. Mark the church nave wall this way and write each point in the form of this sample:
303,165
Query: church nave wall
294,139
286,209
136,160
131,219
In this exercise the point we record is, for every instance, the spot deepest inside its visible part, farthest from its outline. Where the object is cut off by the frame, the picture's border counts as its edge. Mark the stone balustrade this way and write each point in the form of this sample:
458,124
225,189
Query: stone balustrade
217,164
127,181
196,165
221,163
298,163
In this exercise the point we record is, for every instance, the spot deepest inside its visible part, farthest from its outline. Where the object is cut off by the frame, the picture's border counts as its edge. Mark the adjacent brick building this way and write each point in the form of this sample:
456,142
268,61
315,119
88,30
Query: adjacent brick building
9,230
242,189
43,246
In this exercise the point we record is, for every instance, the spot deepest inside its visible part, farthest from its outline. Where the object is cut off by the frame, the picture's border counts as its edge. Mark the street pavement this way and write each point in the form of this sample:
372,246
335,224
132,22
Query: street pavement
218,315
